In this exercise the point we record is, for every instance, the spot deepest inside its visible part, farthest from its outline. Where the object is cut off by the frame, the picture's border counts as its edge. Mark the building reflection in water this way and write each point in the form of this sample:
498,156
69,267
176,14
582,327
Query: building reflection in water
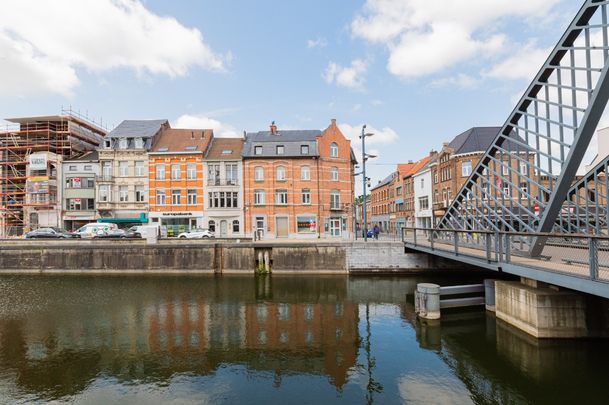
181,332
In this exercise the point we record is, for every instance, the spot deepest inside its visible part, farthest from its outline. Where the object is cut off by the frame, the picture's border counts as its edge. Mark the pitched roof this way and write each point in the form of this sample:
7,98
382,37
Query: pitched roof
416,167
476,139
225,148
290,139
385,181
182,140
87,157
137,129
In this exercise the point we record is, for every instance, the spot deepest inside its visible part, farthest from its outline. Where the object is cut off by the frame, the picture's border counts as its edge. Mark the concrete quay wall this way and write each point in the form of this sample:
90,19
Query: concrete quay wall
210,257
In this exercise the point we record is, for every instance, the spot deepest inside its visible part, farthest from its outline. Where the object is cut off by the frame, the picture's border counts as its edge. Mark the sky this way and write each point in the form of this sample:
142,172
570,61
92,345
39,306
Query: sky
416,72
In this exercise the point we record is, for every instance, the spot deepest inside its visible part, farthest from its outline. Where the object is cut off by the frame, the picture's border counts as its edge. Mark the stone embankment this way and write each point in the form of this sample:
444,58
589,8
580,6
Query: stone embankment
178,256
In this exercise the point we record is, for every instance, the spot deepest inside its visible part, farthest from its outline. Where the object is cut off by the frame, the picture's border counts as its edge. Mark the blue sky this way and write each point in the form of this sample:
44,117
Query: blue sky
418,72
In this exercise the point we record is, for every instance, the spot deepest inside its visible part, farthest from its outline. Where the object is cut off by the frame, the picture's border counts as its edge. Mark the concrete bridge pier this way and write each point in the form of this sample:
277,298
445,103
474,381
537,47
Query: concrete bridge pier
545,311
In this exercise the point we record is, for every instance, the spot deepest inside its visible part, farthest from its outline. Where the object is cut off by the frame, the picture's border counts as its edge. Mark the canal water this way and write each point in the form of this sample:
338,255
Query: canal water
272,340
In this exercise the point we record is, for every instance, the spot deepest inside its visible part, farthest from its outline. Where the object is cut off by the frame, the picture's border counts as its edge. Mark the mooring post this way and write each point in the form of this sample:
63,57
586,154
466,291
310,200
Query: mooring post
427,299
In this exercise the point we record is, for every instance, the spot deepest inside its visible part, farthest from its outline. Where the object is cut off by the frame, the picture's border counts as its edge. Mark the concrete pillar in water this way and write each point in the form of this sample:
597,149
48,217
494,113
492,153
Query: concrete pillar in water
427,301
260,259
489,295
267,261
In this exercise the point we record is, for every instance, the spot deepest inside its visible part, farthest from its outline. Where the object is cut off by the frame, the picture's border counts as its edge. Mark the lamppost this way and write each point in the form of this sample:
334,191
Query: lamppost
365,180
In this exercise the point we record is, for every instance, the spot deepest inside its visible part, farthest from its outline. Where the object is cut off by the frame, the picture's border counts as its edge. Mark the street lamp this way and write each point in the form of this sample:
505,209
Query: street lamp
365,180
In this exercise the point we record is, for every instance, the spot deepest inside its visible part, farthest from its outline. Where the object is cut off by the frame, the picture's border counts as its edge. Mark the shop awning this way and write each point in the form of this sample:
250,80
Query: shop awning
141,219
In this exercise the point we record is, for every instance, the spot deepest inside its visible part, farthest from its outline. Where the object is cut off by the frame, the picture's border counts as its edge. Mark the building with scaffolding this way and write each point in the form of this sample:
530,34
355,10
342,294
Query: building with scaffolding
31,153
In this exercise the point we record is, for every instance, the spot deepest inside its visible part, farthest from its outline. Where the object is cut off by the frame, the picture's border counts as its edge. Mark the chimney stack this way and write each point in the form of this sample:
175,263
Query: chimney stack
273,128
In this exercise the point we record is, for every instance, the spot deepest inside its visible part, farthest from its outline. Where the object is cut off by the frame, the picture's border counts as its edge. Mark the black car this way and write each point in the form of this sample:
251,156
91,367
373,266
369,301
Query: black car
118,234
51,233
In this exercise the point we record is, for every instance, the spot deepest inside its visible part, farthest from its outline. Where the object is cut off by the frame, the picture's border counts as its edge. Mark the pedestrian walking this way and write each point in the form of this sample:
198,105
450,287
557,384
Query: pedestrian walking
376,231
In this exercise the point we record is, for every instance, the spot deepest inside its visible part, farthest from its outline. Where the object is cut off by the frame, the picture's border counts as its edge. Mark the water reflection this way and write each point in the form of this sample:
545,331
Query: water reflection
270,340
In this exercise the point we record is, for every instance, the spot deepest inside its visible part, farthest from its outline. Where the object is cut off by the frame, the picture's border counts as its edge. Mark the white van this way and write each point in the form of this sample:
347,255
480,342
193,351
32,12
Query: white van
91,229
147,231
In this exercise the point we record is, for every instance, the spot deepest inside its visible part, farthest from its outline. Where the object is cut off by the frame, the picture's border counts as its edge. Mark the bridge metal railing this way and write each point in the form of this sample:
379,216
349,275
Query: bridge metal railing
577,255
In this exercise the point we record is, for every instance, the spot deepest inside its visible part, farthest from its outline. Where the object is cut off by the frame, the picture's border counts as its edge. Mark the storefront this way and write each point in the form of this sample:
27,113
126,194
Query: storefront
176,222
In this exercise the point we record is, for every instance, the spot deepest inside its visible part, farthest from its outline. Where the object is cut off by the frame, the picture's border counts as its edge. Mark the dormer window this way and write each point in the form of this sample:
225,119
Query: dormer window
304,149
227,152
280,149
122,143
258,150
139,143
107,143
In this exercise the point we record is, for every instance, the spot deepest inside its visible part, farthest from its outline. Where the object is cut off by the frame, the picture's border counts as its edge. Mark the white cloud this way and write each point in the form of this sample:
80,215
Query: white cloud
221,129
384,136
42,44
317,43
524,65
350,77
461,81
429,36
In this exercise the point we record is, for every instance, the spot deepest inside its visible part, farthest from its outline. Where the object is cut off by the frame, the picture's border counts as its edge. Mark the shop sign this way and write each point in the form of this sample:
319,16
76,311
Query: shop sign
38,162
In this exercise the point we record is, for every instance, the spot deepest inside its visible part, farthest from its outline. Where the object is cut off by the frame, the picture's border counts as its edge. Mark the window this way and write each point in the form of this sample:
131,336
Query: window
123,168
258,150
88,168
192,197
90,182
305,173
236,226
523,168
258,197
90,203
306,196
191,171
231,174
505,169
175,171
139,168
223,199
107,170
104,193
424,203
334,200
258,173
280,149
281,197
398,191
123,193
122,144
525,189
139,143
74,182
422,183
211,225
435,178
160,172
334,174
139,194
304,149
333,149
175,197
280,173
72,168
160,197
466,168
306,224
74,204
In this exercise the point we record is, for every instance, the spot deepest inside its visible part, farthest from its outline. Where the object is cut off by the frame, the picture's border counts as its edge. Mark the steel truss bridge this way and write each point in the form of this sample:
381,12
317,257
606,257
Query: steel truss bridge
523,210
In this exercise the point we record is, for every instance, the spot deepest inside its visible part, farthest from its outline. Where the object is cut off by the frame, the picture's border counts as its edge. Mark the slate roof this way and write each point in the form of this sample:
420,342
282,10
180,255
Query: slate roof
221,145
290,139
385,181
90,156
137,129
173,140
476,139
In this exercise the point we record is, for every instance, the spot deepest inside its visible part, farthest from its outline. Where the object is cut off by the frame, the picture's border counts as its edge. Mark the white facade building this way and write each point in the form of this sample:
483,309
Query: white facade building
223,180
423,193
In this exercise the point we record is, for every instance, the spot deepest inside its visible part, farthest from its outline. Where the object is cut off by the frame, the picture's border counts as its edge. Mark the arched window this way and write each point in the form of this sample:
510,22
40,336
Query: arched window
333,149
236,226
334,174
259,173
280,173
212,226
305,173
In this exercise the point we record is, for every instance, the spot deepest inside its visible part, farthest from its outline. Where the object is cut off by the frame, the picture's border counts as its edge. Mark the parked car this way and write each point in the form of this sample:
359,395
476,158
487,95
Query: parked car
197,234
51,233
93,228
117,234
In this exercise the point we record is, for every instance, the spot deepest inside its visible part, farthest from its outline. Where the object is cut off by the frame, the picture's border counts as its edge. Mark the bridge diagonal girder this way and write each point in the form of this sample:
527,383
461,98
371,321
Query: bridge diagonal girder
522,180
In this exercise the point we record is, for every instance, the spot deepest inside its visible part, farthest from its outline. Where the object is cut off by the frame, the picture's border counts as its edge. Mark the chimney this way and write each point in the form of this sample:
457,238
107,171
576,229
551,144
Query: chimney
273,128
410,162
333,122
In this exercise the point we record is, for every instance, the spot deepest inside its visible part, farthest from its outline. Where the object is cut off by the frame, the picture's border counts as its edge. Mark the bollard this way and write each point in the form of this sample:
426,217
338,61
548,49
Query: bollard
489,295
428,301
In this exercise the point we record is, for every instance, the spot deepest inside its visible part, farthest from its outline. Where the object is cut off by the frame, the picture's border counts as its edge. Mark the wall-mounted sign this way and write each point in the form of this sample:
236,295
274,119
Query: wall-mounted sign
37,185
177,214
38,162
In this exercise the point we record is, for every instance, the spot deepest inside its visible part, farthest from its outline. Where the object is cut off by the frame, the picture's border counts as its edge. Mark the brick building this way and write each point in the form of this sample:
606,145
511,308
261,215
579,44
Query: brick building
382,203
298,183
176,179
407,213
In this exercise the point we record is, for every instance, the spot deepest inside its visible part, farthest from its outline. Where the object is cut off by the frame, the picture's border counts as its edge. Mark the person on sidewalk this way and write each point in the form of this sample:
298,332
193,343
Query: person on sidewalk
376,232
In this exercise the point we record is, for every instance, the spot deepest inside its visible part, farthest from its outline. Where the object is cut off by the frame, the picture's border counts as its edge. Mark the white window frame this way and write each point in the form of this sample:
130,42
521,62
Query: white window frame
176,198
334,173
305,173
176,171
305,196
280,170
123,193
160,171
259,173
191,197
333,149
259,197
161,197
191,171
139,168
281,197
123,168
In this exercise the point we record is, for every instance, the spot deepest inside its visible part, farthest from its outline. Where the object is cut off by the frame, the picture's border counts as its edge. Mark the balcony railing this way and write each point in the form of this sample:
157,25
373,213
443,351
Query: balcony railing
222,182
104,177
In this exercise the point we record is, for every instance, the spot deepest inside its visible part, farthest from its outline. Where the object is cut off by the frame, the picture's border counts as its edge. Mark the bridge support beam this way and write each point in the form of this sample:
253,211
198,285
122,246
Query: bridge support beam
542,311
